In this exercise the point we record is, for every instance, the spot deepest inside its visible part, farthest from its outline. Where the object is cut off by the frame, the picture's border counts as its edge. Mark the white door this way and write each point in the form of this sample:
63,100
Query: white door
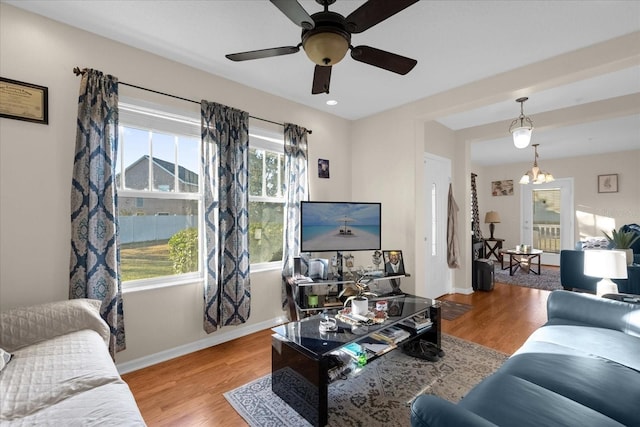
437,175
547,218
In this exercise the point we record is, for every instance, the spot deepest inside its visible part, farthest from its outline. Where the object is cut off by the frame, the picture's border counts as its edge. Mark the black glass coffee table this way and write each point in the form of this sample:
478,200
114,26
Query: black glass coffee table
301,354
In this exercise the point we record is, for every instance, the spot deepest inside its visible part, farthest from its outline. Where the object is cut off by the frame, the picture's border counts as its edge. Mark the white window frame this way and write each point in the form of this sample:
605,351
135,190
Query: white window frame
161,119
262,139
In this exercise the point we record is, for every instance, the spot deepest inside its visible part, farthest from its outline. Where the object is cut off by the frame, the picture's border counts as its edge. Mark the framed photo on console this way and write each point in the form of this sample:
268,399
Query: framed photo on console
393,262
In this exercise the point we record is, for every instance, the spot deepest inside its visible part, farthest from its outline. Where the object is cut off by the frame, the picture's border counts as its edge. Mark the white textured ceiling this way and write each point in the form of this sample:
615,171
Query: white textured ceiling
456,43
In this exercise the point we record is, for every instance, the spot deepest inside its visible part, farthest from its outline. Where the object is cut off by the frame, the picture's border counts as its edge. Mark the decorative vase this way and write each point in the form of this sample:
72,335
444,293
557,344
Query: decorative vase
629,254
360,306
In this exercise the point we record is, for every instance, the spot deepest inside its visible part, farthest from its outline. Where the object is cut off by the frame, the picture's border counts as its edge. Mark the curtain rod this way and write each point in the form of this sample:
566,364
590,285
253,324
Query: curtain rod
77,71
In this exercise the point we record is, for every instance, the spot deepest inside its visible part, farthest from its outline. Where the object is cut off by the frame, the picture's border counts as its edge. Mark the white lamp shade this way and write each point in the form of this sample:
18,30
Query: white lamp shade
521,136
607,264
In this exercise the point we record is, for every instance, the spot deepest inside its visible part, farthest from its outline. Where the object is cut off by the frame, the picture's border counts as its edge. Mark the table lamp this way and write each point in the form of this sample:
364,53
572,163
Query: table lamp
491,218
607,264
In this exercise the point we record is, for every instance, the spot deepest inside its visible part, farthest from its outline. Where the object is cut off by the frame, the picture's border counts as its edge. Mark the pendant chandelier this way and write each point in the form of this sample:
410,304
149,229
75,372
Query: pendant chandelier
522,127
535,175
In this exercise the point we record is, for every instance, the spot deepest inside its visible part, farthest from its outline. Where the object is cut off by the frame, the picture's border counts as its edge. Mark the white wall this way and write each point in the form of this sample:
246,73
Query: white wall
592,209
36,164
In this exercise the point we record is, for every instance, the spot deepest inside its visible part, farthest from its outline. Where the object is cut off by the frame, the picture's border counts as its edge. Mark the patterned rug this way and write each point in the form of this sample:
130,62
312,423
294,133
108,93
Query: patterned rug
548,280
451,310
380,394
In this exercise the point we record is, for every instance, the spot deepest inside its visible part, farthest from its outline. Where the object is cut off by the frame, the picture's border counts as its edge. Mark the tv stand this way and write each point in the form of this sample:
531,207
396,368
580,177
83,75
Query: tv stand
298,292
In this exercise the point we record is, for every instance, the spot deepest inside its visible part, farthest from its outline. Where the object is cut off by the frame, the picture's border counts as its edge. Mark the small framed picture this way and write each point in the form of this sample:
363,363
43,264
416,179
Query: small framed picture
608,183
323,168
393,262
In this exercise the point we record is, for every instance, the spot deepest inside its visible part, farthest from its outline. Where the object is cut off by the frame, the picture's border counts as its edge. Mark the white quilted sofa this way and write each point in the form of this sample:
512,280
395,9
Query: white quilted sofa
60,371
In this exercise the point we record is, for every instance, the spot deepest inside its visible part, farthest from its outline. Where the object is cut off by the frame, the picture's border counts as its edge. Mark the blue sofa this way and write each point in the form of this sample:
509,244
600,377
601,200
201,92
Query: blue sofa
582,368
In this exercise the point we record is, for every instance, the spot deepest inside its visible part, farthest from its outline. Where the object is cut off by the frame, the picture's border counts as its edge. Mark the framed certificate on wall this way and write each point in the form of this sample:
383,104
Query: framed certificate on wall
24,101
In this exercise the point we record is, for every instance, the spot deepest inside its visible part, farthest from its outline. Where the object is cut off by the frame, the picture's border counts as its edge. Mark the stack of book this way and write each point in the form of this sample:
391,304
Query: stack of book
392,334
418,322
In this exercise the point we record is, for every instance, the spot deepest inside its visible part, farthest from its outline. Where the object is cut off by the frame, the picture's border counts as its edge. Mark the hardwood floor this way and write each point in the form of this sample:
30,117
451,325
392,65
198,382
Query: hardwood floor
187,391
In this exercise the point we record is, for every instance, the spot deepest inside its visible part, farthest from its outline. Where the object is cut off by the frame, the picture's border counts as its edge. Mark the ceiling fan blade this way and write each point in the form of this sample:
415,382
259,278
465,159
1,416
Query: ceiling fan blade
382,59
373,12
263,53
295,12
321,79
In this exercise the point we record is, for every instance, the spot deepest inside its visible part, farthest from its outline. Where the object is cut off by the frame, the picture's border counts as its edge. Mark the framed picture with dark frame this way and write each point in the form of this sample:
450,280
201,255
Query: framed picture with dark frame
323,168
393,262
24,101
608,183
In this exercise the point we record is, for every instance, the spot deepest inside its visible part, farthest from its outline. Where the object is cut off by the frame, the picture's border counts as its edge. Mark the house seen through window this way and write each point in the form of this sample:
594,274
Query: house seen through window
160,199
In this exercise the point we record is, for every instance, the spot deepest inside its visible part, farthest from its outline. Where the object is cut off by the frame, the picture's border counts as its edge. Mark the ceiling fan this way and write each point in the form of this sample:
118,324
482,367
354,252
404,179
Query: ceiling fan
326,38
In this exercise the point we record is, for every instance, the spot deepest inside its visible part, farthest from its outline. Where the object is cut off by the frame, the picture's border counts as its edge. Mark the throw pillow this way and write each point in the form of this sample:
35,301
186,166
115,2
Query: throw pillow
4,358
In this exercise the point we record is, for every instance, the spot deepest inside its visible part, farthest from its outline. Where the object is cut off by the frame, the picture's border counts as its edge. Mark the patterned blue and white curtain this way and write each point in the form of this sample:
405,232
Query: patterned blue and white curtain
296,190
225,165
94,266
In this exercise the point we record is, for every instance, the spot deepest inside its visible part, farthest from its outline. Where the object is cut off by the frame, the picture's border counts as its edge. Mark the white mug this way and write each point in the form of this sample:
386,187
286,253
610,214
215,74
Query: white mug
328,324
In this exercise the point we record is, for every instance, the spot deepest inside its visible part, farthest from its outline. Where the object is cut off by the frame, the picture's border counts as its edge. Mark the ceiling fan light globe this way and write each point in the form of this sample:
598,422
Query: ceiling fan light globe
325,48
521,136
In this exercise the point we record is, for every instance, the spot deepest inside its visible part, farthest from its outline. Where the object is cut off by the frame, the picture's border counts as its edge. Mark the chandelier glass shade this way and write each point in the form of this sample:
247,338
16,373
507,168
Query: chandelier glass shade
522,127
535,175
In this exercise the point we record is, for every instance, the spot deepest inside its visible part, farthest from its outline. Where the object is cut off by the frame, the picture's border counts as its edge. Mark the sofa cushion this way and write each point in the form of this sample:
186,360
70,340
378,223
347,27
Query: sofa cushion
570,373
509,400
573,340
23,326
44,378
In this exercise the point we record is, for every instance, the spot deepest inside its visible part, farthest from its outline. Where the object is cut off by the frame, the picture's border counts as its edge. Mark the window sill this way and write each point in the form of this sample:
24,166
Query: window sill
266,266
138,287
147,286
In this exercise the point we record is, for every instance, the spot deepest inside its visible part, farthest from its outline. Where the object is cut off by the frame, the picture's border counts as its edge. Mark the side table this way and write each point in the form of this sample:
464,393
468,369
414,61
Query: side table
518,259
493,247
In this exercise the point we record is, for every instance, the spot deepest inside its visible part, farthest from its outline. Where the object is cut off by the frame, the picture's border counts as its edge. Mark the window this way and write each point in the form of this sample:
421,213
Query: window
266,198
159,198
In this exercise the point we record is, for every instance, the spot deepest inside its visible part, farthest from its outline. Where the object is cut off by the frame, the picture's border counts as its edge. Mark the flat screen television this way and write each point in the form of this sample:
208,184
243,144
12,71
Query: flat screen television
340,226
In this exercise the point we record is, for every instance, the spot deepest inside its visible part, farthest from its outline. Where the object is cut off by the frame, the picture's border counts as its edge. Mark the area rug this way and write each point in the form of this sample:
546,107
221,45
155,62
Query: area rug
548,280
451,310
382,392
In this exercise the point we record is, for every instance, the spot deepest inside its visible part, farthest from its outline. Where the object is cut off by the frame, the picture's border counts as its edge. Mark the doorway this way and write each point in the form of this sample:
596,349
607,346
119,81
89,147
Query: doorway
547,218
437,176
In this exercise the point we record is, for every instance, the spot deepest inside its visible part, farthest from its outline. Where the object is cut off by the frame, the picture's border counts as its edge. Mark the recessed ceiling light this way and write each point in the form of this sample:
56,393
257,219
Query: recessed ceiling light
332,102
